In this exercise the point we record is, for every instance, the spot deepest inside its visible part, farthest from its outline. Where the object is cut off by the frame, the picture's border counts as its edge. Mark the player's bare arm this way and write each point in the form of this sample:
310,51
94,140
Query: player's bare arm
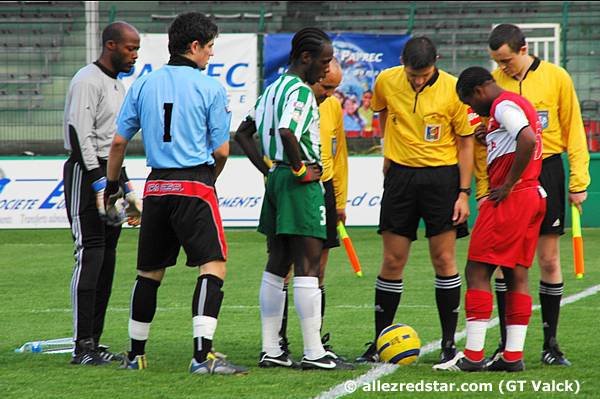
220,155
523,153
577,199
292,150
465,146
382,120
115,157
243,136
480,132
341,215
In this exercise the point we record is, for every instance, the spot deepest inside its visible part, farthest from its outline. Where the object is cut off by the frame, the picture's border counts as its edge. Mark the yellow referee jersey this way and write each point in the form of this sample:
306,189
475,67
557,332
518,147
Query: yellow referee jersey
550,89
421,128
334,151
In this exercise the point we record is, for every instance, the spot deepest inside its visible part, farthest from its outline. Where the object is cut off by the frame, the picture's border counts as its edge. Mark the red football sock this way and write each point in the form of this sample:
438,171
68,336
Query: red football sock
478,307
518,313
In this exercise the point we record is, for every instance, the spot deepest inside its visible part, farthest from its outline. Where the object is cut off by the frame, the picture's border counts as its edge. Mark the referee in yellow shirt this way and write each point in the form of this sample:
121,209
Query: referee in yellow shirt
334,156
550,89
428,152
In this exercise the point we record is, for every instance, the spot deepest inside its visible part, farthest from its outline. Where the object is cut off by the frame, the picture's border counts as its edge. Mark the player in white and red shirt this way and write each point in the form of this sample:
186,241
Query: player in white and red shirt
507,227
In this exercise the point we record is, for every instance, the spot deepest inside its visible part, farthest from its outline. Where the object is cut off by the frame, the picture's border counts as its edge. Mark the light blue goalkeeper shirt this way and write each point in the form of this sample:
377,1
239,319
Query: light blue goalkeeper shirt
182,113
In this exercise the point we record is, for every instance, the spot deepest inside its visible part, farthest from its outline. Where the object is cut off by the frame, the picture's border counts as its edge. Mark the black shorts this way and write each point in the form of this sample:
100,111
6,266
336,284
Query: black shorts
410,194
332,240
552,178
180,209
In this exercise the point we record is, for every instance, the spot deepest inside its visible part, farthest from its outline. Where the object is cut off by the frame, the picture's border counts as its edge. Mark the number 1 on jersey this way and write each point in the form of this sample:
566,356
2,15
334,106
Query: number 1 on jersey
168,107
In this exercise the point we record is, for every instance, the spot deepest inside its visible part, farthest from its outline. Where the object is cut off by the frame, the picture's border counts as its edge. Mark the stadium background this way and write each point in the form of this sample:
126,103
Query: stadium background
43,43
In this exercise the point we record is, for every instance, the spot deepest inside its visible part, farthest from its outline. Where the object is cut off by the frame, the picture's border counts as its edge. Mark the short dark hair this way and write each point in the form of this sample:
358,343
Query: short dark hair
506,34
308,39
189,27
114,32
469,79
419,53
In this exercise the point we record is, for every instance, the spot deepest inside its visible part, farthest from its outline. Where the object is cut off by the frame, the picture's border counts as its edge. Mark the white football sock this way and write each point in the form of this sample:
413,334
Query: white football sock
515,337
138,330
476,330
272,300
307,298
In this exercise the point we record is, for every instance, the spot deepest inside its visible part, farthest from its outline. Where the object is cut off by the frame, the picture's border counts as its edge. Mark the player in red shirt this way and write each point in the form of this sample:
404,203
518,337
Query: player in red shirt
506,231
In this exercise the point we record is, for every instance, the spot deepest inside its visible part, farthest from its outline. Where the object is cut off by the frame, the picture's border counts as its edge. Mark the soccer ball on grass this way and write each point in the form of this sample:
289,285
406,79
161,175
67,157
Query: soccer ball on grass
398,344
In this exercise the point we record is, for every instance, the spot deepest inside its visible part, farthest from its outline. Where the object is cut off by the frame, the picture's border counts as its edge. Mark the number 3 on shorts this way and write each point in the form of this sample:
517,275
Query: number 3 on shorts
323,219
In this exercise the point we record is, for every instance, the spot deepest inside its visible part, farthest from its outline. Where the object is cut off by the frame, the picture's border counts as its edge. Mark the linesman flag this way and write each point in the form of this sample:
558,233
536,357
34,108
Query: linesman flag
577,243
349,249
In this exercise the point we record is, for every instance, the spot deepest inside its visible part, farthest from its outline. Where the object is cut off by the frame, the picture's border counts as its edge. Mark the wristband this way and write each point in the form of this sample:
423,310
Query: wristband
99,184
112,187
128,187
300,172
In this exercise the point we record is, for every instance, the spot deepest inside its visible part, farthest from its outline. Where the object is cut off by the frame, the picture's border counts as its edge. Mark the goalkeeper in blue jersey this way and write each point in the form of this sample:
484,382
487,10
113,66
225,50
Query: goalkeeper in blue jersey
185,122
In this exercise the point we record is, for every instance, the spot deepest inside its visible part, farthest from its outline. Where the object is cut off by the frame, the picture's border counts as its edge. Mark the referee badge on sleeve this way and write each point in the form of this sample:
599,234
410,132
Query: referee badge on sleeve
543,117
433,132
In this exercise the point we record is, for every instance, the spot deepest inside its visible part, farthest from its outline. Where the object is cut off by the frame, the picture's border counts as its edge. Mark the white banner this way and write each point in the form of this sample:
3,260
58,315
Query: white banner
234,65
31,192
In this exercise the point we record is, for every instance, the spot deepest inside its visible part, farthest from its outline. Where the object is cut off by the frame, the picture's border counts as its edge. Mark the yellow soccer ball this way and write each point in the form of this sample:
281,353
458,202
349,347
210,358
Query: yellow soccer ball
398,344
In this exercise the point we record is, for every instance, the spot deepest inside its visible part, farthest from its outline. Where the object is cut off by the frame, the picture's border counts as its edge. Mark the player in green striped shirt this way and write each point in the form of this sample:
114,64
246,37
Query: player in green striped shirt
286,118
288,103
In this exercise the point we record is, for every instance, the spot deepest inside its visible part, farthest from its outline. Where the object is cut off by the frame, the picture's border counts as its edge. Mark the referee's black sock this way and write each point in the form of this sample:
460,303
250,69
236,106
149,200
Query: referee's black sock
284,320
447,298
387,298
550,296
322,288
500,288
205,311
143,307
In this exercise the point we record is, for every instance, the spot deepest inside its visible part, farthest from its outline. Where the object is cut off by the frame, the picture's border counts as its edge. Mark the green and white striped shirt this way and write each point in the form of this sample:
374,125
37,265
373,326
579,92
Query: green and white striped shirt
288,103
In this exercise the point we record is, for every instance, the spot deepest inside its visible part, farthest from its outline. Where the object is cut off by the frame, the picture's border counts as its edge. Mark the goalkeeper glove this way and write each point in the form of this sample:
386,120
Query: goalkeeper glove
114,215
308,174
133,206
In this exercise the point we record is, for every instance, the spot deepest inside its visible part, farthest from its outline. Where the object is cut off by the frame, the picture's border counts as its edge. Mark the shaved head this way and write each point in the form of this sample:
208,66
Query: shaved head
120,45
334,76
117,31
332,80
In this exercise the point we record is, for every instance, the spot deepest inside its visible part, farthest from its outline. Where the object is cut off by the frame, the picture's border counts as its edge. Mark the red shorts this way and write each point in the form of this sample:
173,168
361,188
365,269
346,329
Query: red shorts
507,235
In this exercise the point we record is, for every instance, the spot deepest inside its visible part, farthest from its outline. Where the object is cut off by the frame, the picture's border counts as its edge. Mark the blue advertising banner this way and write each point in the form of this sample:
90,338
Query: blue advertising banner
362,57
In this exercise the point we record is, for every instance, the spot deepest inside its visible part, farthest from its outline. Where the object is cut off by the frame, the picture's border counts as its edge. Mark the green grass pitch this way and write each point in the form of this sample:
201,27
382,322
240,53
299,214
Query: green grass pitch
34,290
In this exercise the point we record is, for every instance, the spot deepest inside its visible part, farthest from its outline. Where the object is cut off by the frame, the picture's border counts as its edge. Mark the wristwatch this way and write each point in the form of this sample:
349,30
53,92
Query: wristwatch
465,190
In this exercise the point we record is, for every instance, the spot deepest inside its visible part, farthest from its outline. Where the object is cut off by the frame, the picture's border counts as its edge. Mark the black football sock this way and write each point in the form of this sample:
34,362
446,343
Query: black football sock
550,296
500,289
284,320
447,298
206,304
387,298
322,288
143,307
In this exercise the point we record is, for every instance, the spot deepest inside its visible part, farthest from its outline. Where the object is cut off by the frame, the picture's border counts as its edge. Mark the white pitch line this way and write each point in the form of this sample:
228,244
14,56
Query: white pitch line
171,308
381,370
